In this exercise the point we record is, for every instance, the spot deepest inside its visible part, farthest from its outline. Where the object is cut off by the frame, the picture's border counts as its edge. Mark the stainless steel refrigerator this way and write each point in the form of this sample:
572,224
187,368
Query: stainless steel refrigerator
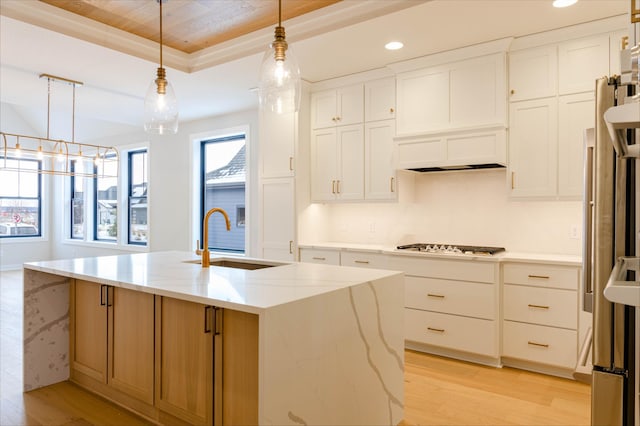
612,254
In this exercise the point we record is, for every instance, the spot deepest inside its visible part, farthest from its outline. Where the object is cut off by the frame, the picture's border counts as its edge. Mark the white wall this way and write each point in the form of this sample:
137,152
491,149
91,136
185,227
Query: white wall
170,200
468,207
13,253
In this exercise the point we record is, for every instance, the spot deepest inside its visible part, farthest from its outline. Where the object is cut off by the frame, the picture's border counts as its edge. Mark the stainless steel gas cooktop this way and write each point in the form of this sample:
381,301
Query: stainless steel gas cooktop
451,249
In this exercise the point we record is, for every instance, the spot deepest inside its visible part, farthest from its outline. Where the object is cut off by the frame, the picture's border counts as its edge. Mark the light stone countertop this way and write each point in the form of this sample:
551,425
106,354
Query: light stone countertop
171,274
507,256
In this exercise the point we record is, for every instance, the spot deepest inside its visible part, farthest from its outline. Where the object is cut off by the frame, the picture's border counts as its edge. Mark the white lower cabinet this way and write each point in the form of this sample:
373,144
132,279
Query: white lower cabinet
322,256
363,259
455,332
451,306
540,314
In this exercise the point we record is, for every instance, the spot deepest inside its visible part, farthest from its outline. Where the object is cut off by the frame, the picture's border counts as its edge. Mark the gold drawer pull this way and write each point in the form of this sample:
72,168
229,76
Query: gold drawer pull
541,345
437,330
541,277
438,296
365,262
319,258
537,306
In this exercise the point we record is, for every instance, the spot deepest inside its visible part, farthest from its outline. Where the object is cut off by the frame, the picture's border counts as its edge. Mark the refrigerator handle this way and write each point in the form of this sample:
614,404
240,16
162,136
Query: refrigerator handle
587,255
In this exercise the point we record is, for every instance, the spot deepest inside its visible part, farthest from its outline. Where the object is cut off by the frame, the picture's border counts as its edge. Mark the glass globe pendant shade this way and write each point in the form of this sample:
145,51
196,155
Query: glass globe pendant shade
160,107
279,88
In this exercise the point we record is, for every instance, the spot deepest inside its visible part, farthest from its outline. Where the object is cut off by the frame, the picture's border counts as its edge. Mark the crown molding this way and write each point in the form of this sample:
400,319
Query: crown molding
320,21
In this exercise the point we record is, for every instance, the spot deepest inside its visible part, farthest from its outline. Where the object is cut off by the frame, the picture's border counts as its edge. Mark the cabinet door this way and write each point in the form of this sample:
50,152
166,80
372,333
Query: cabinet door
379,161
89,329
277,139
533,73
423,101
380,100
350,184
278,219
576,113
350,105
324,166
615,45
533,148
581,62
184,360
478,92
131,334
323,109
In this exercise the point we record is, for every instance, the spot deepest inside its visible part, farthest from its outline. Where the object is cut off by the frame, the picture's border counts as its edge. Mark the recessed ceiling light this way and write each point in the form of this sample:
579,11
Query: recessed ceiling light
563,3
394,45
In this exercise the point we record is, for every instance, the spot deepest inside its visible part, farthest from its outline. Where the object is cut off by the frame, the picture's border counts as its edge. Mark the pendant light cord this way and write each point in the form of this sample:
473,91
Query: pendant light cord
279,13
160,1
48,104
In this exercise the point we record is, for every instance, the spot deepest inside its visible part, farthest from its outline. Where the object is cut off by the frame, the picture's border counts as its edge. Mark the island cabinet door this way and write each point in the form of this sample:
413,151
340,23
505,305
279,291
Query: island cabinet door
88,333
184,361
130,342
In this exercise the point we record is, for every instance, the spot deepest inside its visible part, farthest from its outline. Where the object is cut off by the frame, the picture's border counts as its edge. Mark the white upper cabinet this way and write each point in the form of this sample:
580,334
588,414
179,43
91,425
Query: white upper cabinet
457,95
339,107
277,142
380,99
575,114
337,164
533,73
533,147
379,161
581,62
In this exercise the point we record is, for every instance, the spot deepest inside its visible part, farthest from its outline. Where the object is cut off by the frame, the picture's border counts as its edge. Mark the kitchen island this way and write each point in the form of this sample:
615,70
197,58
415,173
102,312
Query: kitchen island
292,343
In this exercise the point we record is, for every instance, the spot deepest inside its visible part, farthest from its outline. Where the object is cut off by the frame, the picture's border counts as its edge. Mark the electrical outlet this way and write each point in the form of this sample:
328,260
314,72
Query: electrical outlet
574,232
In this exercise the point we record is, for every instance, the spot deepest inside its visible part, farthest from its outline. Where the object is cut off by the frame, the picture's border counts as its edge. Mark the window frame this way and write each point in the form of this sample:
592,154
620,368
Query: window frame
95,207
39,198
130,154
72,182
232,136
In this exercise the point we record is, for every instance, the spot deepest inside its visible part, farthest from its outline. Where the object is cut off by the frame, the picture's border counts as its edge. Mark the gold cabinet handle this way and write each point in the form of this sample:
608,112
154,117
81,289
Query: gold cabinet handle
540,277
437,296
364,262
337,187
513,91
319,258
290,247
540,345
291,163
391,184
537,306
437,330
334,119
513,180
391,110
339,118
333,186
624,41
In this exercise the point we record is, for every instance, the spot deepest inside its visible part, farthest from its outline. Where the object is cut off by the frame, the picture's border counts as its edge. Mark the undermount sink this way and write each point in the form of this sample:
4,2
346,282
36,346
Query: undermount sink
238,263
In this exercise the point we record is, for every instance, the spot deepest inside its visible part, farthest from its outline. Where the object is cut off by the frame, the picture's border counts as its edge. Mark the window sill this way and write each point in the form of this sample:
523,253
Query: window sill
107,245
12,240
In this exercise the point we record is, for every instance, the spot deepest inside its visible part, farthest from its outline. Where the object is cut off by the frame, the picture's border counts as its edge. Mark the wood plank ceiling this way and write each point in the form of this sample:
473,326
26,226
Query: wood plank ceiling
189,25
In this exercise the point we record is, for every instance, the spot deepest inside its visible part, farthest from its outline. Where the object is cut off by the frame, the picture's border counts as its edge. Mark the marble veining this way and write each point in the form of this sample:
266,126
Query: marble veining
46,329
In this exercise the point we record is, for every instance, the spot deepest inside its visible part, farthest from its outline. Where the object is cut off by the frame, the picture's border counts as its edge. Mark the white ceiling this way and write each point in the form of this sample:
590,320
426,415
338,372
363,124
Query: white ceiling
111,100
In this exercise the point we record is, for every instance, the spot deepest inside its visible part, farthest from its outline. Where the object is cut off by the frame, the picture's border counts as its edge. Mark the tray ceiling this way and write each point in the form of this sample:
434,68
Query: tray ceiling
189,26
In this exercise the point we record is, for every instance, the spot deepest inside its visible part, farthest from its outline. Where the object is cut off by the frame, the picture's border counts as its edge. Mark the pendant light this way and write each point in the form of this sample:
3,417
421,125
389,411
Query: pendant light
160,104
279,89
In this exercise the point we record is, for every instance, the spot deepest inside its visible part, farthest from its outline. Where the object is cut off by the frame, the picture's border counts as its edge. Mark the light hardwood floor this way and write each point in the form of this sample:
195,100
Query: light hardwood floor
438,391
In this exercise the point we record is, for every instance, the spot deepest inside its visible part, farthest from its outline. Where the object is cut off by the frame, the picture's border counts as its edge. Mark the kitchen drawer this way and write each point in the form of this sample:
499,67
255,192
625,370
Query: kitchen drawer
451,297
479,271
537,343
544,306
451,331
328,257
363,259
538,275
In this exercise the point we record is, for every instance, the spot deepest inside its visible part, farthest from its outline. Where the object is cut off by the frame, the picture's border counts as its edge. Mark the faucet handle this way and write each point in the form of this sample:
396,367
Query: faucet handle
198,251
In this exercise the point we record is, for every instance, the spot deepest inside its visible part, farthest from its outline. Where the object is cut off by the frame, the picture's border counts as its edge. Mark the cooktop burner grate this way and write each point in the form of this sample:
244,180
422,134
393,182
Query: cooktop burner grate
448,248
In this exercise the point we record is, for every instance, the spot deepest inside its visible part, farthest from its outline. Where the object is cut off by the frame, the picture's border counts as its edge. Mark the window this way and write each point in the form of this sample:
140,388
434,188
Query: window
20,198
77,200
105,221
223,181
137,192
